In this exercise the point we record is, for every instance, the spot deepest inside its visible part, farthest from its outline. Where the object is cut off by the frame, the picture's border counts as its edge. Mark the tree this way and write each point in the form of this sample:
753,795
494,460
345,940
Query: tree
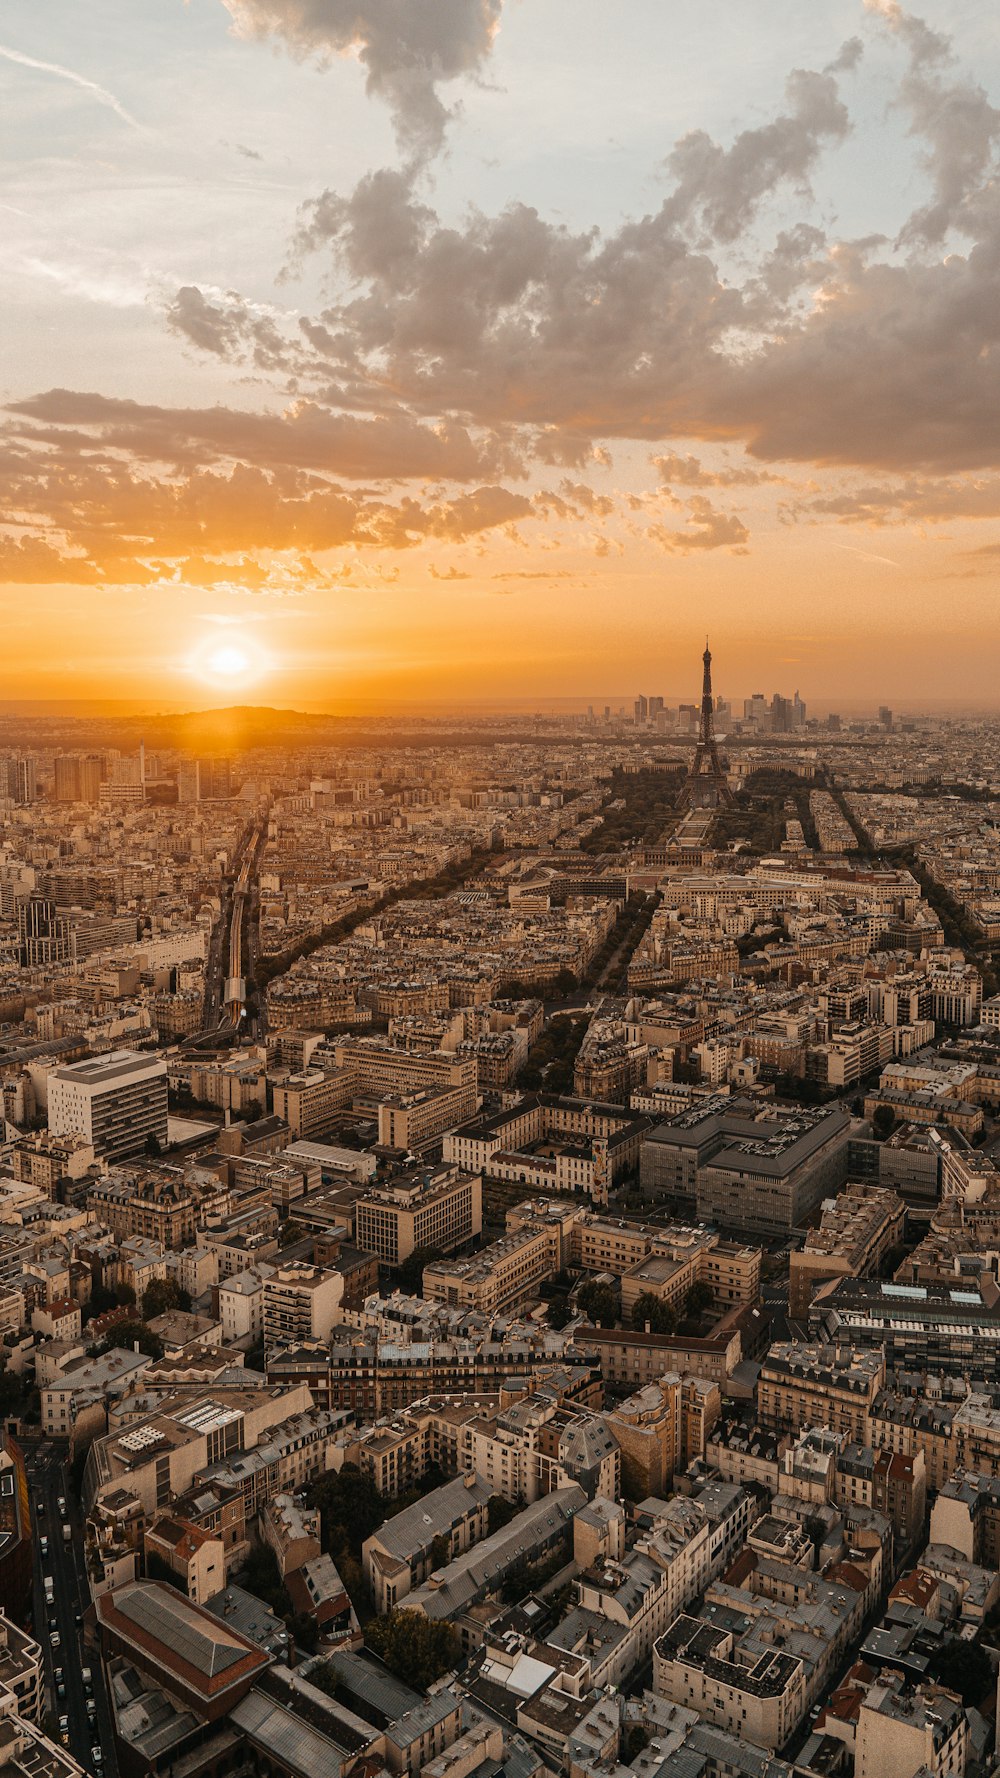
304,1631
699,1298
963,1667
499,1513
558,1313
153,1148
351,1508
128,1334
651,1310
599,1302
414,1647
411,1272
163,1295
883,1122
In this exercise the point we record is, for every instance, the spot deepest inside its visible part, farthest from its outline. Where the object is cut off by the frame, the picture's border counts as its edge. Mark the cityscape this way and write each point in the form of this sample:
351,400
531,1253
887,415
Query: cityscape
500,891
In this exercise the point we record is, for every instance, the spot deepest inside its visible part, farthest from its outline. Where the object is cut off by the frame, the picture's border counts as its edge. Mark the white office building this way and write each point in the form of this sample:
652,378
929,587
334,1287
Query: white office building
115,1101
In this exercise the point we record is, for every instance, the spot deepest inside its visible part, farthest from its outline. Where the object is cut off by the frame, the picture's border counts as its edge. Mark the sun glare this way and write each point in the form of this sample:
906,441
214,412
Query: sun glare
240,662
229,663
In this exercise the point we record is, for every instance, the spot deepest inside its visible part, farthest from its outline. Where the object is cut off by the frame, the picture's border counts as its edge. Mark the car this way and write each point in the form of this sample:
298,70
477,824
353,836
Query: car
64,1724
97,1756
60,1690
53,1622
91,1710
54,1639
58,1675
78,1617
43,1544
40,1509
61,1503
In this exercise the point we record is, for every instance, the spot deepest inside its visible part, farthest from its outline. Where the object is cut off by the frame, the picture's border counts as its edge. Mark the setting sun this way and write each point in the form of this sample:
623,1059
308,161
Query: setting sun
229,662
232,664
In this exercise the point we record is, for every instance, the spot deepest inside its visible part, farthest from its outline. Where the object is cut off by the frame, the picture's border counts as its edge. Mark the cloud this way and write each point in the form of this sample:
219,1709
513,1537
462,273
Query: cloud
100,93
723,188
956,120
689,472
304,436
921,500
408,48
710,529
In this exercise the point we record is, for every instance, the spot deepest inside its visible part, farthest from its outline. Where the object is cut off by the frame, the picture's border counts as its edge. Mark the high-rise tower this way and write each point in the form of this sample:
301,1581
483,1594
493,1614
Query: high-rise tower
707,786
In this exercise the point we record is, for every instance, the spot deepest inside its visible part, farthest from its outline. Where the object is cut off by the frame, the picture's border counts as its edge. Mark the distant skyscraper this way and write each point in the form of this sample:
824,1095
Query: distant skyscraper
67,778
189,781
215,779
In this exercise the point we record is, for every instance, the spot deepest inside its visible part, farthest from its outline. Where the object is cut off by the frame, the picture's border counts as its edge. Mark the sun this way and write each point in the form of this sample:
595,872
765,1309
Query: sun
229,662
240,661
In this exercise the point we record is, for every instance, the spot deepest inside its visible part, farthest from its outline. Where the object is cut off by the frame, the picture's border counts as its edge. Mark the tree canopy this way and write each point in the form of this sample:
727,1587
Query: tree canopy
413,1647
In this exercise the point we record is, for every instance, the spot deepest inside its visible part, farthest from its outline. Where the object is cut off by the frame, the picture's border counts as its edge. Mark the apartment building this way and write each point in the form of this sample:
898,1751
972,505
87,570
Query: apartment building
441,1210
661,1428
309,1103
153,1206
415,1120
117,1102
698,1666
802,1385
299,1303
408,1548
855,1233
905,1729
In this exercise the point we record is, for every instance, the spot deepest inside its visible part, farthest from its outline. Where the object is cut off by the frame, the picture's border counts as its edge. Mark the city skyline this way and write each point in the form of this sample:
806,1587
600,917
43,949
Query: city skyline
478,387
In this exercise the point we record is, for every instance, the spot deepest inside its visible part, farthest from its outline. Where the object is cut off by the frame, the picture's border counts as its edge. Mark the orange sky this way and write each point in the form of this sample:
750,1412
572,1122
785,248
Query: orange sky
506,364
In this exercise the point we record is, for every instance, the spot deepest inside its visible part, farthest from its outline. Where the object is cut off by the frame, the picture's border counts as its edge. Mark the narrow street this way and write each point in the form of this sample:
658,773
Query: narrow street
58,1627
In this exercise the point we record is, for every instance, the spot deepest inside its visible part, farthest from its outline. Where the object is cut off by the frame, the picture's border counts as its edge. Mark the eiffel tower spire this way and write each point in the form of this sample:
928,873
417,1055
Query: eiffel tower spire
707,786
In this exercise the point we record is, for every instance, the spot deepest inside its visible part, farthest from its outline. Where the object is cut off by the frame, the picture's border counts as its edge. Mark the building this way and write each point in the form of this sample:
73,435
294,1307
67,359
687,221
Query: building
202,1661
440,1210
698,1666
905,1729
856,1232
803,1385
746,1166
116,1102
408,1548
300,1303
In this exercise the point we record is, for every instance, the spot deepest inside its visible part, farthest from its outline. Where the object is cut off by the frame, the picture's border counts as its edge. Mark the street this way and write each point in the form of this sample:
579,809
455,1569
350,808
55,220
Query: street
63,1562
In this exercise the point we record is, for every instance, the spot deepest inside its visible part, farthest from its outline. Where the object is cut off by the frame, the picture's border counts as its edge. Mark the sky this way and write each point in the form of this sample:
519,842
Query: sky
365,353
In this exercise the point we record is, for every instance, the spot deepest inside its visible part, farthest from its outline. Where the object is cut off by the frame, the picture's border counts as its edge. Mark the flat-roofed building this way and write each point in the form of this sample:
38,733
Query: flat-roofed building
856,1231
442,1209
308,1103
744,1166
116,1102
300,1303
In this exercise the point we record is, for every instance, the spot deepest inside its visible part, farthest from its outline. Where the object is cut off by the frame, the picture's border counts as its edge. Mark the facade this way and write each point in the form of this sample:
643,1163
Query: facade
300,1303
855,1233
809,1385
742,1167
116,1102
441,1210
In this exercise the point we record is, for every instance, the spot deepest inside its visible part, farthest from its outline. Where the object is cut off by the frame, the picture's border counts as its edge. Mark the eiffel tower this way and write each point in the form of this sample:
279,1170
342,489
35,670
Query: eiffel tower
707,786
